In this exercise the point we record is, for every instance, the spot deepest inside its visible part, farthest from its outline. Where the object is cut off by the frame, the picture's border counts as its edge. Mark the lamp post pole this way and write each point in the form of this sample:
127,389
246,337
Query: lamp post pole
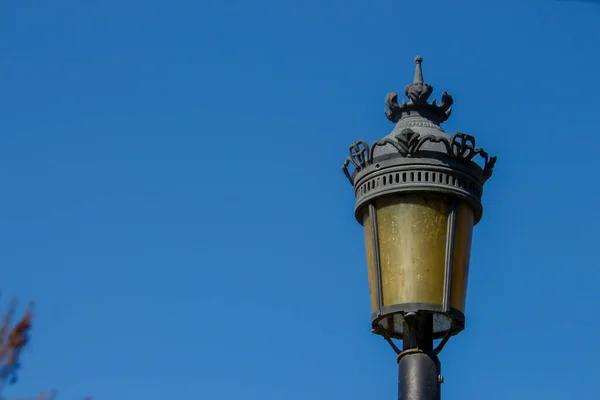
419,367
418,196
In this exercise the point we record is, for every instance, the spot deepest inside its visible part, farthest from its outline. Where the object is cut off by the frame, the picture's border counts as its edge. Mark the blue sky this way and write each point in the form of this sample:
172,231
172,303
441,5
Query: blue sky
172,196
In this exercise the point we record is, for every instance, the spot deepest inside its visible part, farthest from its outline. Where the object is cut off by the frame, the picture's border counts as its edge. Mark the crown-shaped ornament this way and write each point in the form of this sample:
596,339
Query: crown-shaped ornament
418,92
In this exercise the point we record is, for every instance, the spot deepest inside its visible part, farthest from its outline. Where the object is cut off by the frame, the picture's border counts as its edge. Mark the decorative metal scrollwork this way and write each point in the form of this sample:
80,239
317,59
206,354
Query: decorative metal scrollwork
408,143
359,156
395,110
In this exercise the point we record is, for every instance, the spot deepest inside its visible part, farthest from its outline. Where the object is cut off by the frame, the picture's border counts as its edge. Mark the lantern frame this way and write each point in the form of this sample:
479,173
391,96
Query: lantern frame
420,159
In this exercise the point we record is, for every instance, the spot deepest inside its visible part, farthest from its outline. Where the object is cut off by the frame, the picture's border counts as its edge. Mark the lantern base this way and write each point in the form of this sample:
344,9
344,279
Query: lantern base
389,321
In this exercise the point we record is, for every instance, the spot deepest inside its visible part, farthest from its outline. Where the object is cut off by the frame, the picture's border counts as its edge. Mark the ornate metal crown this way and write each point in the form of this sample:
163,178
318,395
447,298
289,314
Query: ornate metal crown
418,155
418,92
407,142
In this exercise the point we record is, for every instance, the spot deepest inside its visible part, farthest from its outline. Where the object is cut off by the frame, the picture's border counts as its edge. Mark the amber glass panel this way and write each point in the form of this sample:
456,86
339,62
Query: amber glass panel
462,254
412,241
370,259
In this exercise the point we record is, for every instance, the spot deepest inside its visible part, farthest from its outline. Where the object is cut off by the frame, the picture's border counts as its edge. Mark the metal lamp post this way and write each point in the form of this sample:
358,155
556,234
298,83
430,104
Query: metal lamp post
418,196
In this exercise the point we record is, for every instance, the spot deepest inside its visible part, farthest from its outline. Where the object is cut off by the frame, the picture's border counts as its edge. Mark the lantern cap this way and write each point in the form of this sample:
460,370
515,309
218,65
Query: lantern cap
417,155
418,137
418,93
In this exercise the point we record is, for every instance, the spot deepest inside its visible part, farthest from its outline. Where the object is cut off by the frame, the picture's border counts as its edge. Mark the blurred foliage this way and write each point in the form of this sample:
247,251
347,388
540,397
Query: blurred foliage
13,338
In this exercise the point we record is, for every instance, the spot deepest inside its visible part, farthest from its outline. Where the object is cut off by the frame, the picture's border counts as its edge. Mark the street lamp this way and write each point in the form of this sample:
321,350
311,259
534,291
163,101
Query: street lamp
418,195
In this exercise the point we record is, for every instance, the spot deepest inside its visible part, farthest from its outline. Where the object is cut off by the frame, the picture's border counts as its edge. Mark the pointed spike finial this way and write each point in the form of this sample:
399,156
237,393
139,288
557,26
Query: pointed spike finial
418,91
418,70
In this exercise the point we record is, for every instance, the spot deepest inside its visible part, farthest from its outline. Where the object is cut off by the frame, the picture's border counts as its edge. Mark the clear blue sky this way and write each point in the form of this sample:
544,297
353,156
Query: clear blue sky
172,196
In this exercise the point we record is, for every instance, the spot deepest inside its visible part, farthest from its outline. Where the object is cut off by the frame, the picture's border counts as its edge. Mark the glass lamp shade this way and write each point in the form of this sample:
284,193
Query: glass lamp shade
418,248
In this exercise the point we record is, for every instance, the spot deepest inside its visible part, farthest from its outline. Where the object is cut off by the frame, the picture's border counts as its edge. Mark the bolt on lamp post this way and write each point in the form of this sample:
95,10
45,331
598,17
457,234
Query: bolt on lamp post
418,195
